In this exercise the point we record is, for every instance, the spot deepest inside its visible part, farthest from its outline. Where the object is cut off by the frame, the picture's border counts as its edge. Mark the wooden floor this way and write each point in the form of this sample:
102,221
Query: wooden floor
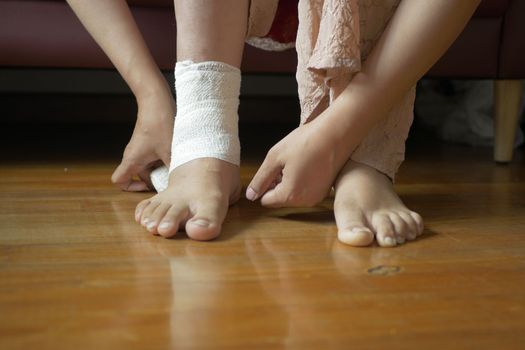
76,272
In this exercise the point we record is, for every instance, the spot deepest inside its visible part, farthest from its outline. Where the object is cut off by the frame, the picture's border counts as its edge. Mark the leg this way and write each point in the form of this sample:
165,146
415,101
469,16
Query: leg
114,29
211,30
416,36
507,95
366,206
199,190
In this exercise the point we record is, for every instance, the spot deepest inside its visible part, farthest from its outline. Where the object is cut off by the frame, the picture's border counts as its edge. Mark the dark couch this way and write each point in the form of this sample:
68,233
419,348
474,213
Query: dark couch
47,34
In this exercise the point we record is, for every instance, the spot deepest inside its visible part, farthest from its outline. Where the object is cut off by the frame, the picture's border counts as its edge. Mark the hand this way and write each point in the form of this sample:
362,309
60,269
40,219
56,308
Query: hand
298,171
149,147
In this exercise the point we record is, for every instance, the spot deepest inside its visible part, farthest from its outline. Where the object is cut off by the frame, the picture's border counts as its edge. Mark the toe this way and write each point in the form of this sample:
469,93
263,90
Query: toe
351,226
401,229
156,216
207,221
140,209
358,236
385,233
412,229
170,223
419,222
148,212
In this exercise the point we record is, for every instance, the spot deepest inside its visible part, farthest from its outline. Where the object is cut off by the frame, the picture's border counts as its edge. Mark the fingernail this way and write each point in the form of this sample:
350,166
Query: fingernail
201,222
389,241
164,225
251,194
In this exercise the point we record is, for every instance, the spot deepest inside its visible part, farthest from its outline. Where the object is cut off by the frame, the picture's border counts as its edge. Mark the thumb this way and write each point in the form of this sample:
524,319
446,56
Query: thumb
276,197
268,173
145,177
123,178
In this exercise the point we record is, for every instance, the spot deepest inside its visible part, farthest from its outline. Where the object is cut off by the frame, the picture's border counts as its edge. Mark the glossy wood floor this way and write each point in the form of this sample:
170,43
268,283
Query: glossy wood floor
77,273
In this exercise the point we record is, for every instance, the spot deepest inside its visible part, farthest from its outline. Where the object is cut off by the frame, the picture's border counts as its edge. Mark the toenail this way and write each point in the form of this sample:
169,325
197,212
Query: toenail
201,222
164,225
389,241
251,194
151,225
145,221
357,230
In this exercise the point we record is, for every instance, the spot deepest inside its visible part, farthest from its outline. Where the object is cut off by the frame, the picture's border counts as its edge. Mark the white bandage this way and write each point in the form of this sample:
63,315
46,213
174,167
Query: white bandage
207,121
159,178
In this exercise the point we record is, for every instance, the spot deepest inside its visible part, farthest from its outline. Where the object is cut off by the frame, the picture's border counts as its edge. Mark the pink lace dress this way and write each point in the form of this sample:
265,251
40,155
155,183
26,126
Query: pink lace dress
333,38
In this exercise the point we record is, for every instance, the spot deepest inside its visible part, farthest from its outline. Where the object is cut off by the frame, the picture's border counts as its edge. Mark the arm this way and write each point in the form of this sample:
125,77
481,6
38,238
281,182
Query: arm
111,24
417,35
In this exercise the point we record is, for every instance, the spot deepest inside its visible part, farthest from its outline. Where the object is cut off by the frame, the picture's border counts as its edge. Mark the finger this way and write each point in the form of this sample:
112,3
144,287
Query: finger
272,185
145,176
123,175
136,186
126,182
268,173
276,197
165,157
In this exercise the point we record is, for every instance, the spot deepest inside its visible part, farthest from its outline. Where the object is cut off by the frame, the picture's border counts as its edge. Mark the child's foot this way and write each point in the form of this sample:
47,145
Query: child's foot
197,197
367,208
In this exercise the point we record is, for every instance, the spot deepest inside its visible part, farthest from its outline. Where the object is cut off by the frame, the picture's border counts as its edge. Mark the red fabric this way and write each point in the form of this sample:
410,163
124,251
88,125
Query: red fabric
285,23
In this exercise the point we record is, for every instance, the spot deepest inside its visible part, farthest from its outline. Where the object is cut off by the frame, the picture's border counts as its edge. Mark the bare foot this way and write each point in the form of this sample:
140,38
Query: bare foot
367,208
197,197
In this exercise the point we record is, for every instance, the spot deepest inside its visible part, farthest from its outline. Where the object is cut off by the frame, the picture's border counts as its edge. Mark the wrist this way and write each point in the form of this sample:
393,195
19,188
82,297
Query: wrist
146,85
346,122
357,109
155,105
154,96
331,142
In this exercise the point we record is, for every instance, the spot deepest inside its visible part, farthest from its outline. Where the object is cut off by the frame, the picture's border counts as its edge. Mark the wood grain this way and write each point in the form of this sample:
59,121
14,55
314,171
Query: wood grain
77,273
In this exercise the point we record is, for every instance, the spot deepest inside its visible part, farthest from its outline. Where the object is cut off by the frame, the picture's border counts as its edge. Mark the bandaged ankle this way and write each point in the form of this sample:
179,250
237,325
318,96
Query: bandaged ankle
206,124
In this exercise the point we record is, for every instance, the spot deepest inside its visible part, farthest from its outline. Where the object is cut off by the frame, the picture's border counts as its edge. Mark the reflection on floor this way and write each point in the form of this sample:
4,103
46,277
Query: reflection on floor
76,271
